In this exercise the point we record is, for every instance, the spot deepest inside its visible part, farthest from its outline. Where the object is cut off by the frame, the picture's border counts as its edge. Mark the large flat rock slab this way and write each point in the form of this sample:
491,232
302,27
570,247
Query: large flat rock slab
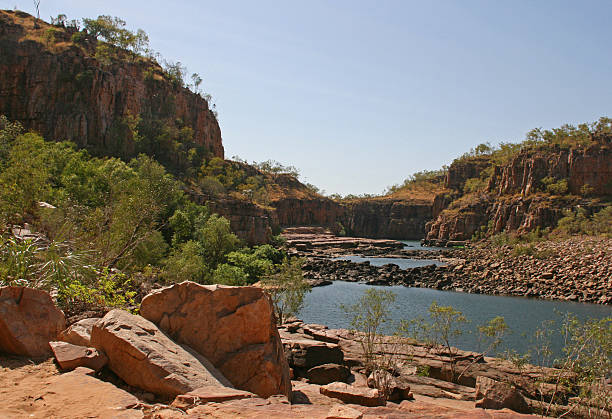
233,327
144,357
354,395
37,390
29,320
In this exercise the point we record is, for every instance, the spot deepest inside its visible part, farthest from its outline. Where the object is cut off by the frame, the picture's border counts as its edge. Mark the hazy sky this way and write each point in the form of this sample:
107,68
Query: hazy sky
358,95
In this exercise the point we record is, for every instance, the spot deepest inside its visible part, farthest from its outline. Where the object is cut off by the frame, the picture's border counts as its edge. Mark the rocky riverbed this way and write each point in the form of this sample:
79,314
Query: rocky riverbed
573,269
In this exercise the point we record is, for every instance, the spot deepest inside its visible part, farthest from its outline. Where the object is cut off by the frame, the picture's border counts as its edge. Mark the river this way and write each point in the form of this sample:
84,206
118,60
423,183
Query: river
523,315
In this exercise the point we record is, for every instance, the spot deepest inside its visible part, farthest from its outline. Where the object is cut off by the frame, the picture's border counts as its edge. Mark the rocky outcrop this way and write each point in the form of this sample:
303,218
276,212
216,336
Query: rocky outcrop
516,197
354,395
144,357
491,394
248,221
70,356
387,218
233,327
589,167
61,90
79,333
463,169
29,320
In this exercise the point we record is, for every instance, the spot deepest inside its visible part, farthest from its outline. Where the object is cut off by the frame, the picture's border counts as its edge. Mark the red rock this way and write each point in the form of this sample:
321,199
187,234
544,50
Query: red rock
144,357
79,333
355,395
71,356
29,320
77,394
492,394
327,373
233,327
209,394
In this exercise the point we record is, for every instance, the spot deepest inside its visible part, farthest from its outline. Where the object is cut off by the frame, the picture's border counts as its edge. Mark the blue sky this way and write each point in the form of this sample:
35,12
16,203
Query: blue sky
358,95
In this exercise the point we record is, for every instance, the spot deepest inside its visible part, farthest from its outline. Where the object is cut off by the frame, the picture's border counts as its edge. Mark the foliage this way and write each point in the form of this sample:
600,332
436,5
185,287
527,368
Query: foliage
582,368
579,222
216,240
445,325
426,179
276,168
185,263
367,317
554,186
474,185
109,289
112,30
287,289
229,275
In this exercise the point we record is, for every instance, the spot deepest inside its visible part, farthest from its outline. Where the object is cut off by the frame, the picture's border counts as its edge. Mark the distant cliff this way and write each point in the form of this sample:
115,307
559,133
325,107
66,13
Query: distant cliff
531,190
118,106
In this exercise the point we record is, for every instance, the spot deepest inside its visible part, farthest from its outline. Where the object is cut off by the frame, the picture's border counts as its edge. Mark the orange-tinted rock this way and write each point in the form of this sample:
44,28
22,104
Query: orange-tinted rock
233,327
492,394
29,320
307,353
79,395
70,356
144,357
62,91
355,395
209,394
256,408
327,373
79,333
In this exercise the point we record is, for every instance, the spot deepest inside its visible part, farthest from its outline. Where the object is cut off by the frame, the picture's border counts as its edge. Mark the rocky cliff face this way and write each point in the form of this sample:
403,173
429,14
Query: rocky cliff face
58,88
589,167
516,198
385,218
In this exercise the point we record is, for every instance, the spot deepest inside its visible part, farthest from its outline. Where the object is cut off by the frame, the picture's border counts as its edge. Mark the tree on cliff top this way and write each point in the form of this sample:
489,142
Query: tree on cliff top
112,30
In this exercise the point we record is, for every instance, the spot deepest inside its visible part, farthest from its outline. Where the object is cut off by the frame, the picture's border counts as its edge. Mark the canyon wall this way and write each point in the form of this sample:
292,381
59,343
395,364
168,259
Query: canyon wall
61,90
516,197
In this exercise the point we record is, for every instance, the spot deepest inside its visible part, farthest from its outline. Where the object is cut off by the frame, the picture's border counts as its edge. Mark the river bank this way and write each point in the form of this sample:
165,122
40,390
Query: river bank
573,269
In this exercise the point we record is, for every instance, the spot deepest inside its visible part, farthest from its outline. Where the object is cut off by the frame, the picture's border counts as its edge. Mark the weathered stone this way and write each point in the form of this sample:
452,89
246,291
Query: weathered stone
233,327
491,394
79,333
354,395
144,357
29,320
327,373
70,356
77,394
209,394
305,353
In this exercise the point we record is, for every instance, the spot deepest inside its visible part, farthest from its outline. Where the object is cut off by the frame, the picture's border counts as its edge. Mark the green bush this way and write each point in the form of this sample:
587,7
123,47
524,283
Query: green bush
229,275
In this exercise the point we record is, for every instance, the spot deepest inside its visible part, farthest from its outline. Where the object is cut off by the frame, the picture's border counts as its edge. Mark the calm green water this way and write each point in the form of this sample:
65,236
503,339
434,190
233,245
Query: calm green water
522,315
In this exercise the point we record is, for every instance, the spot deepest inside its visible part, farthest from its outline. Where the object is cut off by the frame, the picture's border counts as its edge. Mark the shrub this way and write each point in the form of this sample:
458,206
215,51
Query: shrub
474,185
229,275
368,316
287,289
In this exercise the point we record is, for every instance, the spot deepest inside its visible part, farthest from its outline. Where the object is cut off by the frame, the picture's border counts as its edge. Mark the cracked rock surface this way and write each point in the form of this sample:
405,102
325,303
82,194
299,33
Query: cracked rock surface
233,327
144,357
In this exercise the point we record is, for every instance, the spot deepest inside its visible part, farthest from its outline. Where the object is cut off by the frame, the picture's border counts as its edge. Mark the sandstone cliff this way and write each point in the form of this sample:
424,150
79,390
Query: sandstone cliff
518,196
120,107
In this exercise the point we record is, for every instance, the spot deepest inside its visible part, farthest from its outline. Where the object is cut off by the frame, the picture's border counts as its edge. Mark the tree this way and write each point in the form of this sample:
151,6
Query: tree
197,81
287,289
446,324
367,318
217,240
